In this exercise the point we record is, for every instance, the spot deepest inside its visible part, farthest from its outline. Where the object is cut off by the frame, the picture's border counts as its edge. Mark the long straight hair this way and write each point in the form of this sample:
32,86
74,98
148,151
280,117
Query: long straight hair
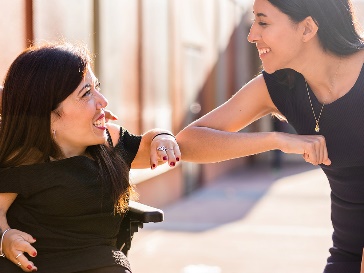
36,83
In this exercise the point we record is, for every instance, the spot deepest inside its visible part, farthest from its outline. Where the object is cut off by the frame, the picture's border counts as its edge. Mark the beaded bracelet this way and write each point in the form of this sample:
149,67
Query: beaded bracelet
1,243
169,134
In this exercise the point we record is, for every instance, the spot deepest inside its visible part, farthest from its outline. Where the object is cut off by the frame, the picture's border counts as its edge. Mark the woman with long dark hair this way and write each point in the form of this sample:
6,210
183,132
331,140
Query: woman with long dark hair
312,55
64,171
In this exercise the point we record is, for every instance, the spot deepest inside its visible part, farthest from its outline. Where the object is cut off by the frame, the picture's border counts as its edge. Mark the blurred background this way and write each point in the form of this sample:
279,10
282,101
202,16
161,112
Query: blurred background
165,63
162,63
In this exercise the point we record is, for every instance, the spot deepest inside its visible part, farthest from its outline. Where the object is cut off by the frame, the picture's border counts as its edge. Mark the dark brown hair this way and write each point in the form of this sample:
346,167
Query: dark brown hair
338,30
36,83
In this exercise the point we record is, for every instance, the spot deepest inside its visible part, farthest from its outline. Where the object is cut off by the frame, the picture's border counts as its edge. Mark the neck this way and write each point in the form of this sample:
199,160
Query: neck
331,76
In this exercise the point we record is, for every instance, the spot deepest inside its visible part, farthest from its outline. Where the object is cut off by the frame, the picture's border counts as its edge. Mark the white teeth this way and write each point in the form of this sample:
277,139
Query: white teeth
263,51
99,123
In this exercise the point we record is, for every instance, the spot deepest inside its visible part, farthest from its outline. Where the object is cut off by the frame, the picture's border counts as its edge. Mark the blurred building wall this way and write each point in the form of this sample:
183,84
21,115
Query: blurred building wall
161,63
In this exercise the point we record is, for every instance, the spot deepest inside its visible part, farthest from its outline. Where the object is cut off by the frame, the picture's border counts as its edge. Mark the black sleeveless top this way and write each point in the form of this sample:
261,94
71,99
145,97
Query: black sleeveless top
66,208
342,125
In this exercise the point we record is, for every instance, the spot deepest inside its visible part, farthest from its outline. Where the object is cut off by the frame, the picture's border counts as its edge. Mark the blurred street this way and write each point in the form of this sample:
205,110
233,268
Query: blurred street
255,220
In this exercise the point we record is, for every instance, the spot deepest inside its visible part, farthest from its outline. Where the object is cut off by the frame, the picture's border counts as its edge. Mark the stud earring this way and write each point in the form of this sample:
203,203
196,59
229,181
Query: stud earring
54,134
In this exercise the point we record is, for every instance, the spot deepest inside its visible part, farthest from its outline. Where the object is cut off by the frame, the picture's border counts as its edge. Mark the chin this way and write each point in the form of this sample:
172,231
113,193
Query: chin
269,69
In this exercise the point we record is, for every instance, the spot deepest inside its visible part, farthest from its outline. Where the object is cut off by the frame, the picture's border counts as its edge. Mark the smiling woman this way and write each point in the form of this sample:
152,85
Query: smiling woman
313,60
64,171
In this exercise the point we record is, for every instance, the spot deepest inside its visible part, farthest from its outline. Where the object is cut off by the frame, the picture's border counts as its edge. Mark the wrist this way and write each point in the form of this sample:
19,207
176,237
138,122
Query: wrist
164,133
1,242
276,139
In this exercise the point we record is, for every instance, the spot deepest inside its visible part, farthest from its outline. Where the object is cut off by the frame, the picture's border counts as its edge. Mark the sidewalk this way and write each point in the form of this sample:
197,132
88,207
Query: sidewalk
250,221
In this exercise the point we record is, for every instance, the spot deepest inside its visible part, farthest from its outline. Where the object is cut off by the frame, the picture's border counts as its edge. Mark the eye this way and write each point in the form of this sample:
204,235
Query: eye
98,86
260,23
88,91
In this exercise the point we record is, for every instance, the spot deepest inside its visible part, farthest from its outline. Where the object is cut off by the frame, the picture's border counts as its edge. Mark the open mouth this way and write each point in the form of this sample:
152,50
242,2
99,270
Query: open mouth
263,51
100,122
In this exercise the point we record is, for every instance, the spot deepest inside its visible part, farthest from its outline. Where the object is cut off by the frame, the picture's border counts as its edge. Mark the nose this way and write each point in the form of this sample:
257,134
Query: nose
253,35
102,102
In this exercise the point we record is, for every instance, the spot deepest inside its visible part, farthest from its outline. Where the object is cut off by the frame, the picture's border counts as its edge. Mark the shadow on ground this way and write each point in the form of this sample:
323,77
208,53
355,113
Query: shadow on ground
230,198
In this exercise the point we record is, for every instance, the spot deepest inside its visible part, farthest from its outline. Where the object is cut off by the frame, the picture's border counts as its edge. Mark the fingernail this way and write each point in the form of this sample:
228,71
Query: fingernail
29,267
35,254
177,158
165,158
153,166
34,238
114,118
172,164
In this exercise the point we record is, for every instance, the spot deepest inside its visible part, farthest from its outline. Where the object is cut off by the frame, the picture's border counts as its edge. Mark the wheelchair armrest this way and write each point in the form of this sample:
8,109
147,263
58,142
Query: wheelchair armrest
137,215
144,214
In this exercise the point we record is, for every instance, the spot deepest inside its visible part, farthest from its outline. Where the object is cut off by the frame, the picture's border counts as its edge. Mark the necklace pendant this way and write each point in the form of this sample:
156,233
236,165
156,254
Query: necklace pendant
317,128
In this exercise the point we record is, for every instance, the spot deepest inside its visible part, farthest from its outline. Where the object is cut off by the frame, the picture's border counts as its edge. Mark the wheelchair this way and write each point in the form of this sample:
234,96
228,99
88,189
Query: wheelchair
137,215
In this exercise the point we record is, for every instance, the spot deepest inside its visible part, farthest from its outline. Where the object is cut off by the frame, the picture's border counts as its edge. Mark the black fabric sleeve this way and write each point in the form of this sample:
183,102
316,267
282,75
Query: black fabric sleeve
10,180
278,91
128,145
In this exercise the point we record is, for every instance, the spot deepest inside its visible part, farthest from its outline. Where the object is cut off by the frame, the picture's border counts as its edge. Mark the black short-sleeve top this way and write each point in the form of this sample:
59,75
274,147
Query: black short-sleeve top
64,206
342,125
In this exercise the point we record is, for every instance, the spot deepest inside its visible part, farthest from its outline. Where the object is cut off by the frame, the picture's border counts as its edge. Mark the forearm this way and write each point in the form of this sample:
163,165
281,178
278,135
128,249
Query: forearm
6,199
3,223
207,145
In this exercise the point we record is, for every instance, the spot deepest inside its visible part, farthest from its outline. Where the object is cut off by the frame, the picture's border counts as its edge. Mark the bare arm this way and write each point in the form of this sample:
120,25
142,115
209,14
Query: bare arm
214,137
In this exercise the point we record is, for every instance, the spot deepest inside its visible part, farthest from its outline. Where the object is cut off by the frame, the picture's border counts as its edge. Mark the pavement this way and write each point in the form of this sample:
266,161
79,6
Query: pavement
252,220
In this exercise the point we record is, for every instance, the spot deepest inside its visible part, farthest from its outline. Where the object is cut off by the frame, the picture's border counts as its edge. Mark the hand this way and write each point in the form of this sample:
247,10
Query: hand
164,148
312,148
15,243
109,115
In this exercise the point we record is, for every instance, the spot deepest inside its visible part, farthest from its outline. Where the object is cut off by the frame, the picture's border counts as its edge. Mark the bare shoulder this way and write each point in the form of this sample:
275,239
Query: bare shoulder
114,130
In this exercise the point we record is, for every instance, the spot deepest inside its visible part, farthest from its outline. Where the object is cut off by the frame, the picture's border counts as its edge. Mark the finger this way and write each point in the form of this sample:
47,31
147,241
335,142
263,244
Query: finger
24,263
177,153
171,157
162,153
23,243
30,250
109,115
27,237
311,156
157,156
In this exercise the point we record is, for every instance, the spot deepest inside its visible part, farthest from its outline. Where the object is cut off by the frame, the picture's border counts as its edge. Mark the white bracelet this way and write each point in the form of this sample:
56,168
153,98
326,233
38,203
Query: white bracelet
1,243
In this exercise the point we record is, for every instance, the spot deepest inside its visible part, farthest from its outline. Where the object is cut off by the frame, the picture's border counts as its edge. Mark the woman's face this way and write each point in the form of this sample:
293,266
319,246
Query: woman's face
79,121
276,37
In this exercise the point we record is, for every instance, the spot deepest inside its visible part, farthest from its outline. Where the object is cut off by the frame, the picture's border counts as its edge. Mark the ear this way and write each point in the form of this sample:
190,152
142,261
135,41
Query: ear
54,118
310,29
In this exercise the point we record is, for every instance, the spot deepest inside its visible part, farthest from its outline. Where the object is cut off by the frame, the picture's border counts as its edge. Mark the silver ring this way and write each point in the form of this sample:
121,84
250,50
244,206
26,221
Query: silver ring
17,256
19,264
161,148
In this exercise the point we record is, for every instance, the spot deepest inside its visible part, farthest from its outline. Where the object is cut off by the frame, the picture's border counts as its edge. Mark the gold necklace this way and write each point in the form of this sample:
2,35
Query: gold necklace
317,120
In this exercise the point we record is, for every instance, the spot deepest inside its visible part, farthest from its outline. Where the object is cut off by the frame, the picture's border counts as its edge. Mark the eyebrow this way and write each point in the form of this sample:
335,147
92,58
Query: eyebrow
86,85
259,14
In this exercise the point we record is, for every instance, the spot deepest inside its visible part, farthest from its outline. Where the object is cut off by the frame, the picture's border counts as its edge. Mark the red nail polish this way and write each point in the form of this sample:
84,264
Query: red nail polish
29,267
34,238
35,254
177,158
172,164
165,158
153,166
114,118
